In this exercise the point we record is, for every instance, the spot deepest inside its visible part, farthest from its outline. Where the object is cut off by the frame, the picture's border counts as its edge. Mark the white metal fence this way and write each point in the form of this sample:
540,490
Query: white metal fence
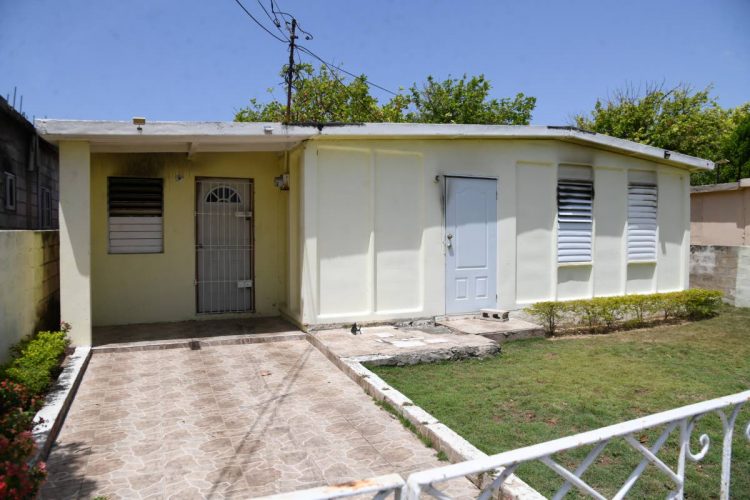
502,465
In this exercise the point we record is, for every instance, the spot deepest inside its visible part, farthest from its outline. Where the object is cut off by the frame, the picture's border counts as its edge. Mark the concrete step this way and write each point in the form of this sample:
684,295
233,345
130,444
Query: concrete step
499,331
493,314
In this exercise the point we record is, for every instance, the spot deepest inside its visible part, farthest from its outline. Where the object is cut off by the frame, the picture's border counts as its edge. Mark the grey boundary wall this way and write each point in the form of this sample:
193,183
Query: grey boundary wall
443,437
30,291
723,268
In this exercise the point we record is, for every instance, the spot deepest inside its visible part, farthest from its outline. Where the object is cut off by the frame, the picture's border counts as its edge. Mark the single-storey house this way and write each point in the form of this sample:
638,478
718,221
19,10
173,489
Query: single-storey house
170,221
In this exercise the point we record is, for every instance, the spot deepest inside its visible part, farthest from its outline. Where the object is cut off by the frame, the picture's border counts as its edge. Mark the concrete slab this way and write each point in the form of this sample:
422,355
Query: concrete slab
403,346
235,421
499,331
167,334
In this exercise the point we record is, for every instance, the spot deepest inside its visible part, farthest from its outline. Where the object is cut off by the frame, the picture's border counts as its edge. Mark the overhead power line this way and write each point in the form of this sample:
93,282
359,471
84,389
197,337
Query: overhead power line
259,23
331,65
292,26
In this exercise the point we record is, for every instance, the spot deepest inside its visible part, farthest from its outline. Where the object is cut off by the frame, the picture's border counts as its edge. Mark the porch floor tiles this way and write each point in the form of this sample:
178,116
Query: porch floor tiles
231,421
131,335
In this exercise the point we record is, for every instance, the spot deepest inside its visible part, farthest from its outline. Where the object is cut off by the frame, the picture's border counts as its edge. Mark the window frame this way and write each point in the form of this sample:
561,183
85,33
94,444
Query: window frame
654,250
570,178
11,192
45,208
150,221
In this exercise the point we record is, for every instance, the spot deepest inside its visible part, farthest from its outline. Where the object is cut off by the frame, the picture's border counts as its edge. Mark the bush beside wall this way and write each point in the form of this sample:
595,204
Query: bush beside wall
603,314
35,364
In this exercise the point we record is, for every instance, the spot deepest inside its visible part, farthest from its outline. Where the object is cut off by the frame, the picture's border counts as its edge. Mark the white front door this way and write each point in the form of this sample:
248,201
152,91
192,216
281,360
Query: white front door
471,244
224,245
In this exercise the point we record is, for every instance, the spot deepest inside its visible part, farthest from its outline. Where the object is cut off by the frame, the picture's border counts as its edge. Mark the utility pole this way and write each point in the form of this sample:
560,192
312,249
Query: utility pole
290,73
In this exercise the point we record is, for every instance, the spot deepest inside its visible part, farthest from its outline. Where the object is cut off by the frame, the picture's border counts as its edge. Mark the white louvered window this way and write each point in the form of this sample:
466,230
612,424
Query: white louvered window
135,208
574,220
642,206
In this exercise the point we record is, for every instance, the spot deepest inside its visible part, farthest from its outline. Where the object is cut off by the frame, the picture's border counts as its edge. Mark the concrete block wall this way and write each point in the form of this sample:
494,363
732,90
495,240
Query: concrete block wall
724,268
30,291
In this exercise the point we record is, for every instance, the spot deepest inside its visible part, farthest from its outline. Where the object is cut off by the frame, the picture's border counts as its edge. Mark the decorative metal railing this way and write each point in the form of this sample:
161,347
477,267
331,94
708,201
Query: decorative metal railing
499,467
683,419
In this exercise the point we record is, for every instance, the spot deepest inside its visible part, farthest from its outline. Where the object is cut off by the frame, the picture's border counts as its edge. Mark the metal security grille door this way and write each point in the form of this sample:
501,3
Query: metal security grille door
471,244
224,245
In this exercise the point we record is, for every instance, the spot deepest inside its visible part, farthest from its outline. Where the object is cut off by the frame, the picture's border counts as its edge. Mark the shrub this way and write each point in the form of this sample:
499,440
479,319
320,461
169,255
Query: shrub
631,311
610,310
18,479
700,304
37,361
549,313
588,311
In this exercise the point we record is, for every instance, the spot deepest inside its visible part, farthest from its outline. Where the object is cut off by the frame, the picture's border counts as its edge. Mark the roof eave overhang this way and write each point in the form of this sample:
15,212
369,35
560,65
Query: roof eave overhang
109,136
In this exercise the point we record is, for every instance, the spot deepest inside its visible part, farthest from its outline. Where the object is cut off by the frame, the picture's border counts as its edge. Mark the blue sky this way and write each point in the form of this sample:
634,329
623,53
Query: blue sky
201,60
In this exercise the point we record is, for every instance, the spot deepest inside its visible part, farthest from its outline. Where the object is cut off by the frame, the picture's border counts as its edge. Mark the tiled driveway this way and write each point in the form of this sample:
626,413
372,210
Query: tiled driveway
224,421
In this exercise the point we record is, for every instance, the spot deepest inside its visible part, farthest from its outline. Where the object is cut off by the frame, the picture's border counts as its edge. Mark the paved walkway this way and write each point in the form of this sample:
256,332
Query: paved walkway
231,421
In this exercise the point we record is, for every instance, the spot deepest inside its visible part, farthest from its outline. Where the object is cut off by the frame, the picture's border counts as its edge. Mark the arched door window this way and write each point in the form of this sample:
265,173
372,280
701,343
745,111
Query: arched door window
223,194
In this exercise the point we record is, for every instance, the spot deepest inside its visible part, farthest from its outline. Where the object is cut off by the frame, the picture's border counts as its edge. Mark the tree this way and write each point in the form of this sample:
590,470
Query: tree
320,98
325,97
467,101
678,119
737,147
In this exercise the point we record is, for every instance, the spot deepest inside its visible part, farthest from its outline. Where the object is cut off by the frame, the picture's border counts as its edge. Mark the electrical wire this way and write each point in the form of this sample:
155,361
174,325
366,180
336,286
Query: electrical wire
259,23
275,21
330,65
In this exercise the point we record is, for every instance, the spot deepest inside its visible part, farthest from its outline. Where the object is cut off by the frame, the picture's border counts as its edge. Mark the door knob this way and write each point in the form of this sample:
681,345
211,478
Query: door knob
450,239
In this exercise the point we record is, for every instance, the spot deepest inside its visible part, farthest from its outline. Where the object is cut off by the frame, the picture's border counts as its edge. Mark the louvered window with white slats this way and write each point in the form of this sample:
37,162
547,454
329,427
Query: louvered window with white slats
642,208
135,208
574,220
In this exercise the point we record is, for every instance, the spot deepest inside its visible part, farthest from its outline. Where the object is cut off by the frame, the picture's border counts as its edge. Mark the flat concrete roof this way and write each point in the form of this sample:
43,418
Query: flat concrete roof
726,186
122,136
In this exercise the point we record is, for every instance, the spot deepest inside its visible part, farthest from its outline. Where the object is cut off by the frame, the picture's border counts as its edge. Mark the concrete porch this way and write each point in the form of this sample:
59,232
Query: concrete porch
147,336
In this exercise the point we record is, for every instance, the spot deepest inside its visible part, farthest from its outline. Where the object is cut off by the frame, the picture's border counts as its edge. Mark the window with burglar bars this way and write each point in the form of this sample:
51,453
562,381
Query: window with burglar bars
135,208
642,223
574,220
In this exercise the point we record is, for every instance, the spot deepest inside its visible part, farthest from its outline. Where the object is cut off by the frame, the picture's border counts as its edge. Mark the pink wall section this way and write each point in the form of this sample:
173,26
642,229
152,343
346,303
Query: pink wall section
720,214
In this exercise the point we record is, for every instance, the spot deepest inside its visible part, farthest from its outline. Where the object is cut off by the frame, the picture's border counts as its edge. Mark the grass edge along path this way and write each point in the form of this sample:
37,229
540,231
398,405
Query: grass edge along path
541,389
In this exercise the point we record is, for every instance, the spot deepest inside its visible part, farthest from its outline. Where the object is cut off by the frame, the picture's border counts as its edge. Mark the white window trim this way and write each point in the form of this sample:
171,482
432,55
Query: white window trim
655,248
133,233
582,181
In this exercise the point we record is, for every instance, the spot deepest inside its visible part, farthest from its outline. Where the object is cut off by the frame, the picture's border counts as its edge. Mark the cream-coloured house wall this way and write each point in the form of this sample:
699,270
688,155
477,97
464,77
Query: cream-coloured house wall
373,225
75,239
292,308
142,288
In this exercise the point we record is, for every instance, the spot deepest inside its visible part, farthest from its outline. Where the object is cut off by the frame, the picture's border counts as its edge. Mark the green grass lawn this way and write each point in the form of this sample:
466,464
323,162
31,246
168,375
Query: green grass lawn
540,389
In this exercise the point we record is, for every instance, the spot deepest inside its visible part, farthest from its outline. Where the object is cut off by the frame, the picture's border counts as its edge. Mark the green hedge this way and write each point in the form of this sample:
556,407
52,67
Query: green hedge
36,361
603,314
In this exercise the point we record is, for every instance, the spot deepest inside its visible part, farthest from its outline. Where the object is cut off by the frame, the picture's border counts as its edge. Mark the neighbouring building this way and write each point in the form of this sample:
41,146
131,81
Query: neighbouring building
170,221
720,239
29,298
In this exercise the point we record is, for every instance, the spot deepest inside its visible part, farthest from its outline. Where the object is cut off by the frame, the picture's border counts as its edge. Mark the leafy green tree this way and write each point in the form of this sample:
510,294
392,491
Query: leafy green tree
467,100
678,119
327,97
737,147
321,98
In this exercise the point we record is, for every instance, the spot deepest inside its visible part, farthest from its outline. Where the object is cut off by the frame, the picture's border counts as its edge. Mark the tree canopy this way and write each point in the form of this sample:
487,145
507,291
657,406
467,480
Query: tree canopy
678,119
324,96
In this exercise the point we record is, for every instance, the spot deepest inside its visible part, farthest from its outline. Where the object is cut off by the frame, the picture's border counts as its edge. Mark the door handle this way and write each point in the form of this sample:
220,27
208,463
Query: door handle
449,243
